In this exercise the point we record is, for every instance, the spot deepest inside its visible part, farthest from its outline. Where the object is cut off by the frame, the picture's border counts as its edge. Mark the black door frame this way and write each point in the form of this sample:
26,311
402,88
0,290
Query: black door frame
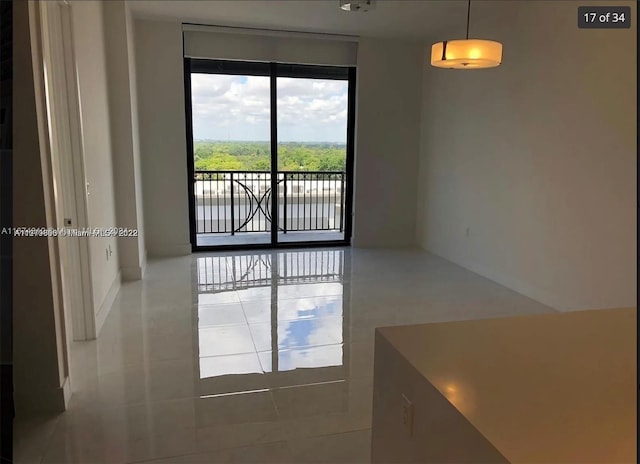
273,71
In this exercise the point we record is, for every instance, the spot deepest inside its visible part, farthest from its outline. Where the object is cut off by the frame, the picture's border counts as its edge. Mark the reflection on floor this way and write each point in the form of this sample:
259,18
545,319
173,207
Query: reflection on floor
264,238
261,316
250,357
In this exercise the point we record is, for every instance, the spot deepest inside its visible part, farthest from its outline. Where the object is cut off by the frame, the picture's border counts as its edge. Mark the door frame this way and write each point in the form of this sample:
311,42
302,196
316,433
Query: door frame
64,121
272,70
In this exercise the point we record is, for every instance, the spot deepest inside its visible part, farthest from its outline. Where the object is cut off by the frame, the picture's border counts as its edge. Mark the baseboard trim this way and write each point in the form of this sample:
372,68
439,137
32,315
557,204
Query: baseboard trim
107,303
143,263
133,273
169,250
130,273
66,392
43,400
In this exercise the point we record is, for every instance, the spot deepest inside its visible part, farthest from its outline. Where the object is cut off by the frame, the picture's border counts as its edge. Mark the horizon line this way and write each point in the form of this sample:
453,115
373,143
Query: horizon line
268,141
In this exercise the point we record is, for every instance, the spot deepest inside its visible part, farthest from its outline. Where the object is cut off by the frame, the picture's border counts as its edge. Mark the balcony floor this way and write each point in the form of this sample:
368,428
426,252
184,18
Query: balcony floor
264,238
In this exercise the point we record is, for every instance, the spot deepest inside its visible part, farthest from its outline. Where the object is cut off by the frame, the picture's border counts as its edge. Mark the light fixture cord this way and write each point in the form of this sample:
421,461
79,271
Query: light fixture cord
468,15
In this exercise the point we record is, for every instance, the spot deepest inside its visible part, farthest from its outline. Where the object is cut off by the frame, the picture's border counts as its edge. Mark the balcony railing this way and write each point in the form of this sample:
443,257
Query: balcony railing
230,202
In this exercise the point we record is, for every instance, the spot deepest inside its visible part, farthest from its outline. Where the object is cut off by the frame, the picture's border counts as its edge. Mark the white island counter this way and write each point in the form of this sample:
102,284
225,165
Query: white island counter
554,388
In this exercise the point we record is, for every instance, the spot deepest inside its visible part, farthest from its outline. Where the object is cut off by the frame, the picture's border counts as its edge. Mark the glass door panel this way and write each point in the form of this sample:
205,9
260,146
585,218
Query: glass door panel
312,136
232,158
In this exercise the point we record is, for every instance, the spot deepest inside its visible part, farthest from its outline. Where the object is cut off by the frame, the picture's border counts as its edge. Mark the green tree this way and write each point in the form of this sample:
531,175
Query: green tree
255,156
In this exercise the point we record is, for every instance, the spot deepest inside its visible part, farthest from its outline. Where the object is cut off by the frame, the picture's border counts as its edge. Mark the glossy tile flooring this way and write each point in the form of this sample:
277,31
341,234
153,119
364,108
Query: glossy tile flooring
250,357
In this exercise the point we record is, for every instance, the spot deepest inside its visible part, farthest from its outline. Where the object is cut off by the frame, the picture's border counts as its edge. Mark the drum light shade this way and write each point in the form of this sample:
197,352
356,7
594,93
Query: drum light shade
466,54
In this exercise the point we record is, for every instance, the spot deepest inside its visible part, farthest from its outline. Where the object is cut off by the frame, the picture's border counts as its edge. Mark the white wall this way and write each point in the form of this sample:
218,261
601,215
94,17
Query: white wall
536,158
387,142
162,136
124,136
135,136
89,47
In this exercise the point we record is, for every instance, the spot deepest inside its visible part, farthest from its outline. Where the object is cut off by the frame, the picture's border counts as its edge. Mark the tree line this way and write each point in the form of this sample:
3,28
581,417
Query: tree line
255,156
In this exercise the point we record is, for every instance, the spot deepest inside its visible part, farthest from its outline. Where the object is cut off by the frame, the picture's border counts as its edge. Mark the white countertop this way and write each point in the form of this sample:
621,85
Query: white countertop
546,388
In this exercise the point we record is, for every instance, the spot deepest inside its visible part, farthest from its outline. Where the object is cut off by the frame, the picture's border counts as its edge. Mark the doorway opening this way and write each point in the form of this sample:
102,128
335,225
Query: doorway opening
258,128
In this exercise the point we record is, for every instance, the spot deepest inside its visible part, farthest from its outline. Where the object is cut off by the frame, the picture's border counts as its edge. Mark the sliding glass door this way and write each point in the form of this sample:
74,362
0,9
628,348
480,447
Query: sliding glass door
258,128
312,156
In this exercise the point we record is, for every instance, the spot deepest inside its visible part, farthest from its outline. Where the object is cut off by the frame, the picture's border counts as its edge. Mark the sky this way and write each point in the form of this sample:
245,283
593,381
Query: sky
237,108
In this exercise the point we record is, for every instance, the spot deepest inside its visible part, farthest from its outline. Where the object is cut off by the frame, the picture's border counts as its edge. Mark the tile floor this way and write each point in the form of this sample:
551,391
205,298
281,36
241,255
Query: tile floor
250,357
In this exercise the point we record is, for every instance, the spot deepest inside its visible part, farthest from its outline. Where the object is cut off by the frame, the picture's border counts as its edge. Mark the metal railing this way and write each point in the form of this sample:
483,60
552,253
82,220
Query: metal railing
232,202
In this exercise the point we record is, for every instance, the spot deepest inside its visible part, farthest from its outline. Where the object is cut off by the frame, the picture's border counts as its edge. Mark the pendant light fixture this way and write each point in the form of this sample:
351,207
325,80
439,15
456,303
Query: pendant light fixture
467,53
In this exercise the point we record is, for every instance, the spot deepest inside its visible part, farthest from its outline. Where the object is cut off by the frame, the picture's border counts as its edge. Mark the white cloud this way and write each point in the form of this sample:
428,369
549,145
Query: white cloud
238,108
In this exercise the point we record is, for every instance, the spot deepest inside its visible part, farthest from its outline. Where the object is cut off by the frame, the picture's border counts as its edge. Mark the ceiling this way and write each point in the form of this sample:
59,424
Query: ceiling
405,19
